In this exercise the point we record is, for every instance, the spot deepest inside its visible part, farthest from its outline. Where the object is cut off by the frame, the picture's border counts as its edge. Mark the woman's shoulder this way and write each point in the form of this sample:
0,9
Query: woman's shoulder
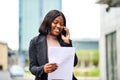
37,38
34,38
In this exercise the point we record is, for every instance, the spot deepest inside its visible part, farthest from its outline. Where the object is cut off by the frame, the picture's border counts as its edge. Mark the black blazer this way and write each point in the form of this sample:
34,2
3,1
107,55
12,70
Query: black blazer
38,56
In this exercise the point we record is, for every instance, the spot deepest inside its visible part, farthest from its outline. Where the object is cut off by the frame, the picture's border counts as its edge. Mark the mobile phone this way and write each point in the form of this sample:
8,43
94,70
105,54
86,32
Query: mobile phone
64,32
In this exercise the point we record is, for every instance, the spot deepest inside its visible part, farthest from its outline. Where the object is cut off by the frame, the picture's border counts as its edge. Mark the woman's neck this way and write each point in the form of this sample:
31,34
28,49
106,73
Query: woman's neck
49,36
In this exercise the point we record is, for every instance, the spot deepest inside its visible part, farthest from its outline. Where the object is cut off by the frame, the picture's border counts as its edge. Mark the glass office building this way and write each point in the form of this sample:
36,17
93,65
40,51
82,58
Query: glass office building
31,12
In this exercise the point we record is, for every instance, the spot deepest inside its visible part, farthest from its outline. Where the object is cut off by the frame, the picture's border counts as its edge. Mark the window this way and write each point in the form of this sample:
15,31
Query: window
111,56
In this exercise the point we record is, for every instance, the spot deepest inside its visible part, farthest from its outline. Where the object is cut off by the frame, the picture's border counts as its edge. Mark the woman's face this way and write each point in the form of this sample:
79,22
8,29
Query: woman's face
57,26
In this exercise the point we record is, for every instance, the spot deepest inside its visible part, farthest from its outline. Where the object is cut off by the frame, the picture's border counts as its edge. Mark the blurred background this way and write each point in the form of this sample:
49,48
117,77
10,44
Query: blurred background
94,28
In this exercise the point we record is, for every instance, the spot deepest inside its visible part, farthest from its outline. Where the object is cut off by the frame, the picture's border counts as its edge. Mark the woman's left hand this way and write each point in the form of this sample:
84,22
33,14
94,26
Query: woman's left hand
66,38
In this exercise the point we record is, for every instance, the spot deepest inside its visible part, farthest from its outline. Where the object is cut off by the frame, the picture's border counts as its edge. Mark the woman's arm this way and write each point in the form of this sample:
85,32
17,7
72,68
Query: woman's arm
75,60
34,67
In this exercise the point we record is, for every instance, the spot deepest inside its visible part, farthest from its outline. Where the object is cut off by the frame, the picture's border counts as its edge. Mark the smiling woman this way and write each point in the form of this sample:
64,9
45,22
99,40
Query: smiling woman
50,35
59,23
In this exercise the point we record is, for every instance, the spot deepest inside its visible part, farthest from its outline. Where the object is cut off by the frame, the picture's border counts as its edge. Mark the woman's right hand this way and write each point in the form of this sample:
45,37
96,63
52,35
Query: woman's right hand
50,67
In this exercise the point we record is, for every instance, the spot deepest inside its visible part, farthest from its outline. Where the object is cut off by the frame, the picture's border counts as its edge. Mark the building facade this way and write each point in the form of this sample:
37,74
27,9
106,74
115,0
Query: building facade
31,13
86,44
3,56
110,41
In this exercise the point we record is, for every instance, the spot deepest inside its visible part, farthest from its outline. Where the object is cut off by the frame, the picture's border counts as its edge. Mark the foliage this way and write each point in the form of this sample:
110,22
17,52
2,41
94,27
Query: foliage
88,56
86,72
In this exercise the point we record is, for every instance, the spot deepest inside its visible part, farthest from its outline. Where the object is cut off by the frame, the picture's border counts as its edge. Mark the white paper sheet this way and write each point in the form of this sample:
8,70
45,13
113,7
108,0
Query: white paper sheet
64,57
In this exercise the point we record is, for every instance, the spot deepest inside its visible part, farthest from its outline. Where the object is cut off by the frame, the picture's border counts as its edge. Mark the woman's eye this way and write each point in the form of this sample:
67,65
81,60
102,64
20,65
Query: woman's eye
61,24
55,22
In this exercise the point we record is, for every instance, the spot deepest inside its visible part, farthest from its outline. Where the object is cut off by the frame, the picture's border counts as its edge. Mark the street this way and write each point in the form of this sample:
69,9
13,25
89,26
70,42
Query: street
6,76
25,77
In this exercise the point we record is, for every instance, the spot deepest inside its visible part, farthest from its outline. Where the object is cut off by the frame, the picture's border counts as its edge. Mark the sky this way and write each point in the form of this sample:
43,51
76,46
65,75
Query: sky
83,20
9,23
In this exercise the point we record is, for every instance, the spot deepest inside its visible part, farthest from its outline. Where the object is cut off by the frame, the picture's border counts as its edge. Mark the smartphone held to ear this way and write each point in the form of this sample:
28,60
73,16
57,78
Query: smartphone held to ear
64,32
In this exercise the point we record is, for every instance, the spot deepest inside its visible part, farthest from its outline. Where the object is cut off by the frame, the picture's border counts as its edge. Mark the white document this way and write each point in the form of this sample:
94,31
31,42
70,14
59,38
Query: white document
64,57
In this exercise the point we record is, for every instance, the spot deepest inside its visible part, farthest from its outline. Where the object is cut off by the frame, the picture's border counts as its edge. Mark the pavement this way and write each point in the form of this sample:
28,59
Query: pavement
25,77
4,75
89,78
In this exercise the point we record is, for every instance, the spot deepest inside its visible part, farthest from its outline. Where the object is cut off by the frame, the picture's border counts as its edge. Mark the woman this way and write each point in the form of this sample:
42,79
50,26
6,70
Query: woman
53,32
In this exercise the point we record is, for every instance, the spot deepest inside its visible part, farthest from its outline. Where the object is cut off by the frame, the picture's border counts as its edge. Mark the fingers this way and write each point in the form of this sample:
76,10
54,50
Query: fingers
67,33
50,67
67,30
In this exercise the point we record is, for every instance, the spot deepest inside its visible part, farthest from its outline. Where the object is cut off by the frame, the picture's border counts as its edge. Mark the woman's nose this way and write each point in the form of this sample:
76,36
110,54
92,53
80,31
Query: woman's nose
58,25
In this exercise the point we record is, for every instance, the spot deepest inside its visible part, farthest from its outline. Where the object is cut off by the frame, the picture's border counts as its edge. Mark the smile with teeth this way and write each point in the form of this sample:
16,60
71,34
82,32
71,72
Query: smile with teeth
57,30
